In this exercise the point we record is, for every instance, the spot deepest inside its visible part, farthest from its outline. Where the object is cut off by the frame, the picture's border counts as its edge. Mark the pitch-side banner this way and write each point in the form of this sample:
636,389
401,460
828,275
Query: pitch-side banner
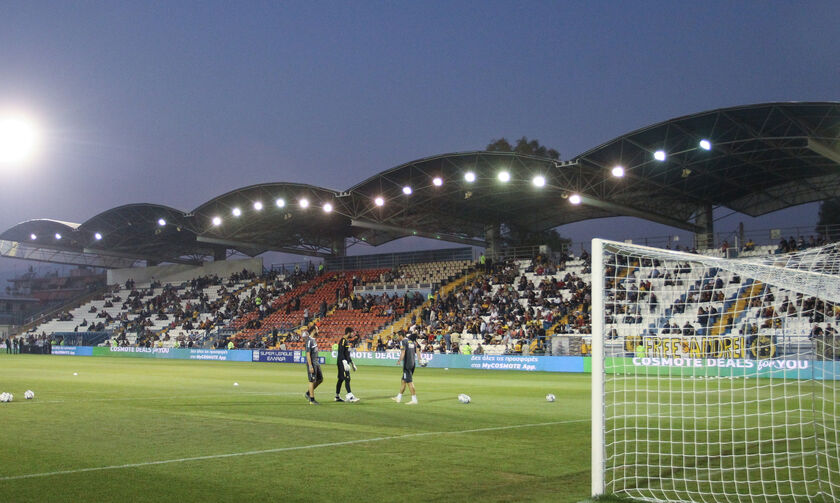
722,367
276,356
487,362
72,350
235,355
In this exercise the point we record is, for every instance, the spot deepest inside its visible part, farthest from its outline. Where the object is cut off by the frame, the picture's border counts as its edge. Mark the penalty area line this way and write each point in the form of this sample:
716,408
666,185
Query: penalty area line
281,449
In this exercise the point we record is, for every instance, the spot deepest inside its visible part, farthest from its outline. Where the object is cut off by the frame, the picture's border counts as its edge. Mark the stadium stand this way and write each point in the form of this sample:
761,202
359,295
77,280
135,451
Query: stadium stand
516,307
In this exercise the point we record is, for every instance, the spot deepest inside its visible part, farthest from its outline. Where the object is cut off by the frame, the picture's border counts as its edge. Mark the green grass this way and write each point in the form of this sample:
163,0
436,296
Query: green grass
135,411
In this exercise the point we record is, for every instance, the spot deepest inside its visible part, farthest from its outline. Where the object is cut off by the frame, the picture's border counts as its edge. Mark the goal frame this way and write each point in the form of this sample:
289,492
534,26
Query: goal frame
812,273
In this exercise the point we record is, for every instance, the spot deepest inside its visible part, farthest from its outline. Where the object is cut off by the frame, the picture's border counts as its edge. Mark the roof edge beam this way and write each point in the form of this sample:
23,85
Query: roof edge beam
239,244
824,150
375,226
633,212
171,260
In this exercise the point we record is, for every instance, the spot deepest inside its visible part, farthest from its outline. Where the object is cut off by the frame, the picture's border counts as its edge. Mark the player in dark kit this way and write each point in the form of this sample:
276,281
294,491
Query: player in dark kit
345,363
313,368
409,355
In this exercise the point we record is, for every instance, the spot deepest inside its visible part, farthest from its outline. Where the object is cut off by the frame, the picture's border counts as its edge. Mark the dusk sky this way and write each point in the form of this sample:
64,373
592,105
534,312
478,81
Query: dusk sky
178,102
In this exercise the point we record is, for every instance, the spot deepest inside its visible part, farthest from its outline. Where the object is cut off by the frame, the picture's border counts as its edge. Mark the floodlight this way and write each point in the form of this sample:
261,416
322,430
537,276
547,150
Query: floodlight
618,171
258,205
437,181
236,212
407,190
217,221
280,202
97,236
19,138
705,144
57,236
304,203
161,222
538,181
504,176
469,176
33,237
659,155
379,201
327,207
575,199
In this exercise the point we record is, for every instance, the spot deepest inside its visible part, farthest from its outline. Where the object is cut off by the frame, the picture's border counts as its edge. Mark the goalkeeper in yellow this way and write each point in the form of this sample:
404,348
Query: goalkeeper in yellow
345,363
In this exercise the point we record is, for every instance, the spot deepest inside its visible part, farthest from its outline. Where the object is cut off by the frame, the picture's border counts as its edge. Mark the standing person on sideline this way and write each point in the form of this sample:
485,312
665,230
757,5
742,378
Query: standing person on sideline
345,363
409,354
313,368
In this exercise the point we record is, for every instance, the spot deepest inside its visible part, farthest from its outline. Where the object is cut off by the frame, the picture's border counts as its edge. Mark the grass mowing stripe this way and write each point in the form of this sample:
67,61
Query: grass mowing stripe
170,397
283,449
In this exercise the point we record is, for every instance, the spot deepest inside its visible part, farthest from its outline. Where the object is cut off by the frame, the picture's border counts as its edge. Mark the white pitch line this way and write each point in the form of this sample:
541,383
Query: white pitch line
281,449
173,397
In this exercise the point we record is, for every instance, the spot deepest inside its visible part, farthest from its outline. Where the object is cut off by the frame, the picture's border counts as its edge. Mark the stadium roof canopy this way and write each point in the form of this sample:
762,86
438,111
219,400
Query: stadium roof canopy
758,159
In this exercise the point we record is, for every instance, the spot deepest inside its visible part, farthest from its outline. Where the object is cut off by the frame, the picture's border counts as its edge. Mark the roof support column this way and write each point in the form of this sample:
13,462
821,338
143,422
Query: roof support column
492,234
339,247
705,237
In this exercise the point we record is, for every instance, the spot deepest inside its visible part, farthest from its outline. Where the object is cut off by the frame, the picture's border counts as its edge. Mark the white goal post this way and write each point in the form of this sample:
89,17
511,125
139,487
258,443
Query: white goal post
715,379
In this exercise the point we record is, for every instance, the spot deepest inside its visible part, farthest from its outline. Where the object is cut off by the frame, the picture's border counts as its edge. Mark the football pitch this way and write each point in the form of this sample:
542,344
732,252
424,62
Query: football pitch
169,430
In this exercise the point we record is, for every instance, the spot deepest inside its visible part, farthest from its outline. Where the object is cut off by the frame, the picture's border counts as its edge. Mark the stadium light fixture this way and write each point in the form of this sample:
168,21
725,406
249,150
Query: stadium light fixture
280,202
304,203
575,199
33,237
538,181
97,236
407,190
236,212
705,144
504,176
217,221
659,155
327,207
469,176
618,171
161,222
57,236
437,181
258,206
379,201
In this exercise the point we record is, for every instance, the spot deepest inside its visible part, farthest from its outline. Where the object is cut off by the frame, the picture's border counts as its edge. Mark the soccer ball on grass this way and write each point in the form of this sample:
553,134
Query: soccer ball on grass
550,397
29,394
464,398
6,397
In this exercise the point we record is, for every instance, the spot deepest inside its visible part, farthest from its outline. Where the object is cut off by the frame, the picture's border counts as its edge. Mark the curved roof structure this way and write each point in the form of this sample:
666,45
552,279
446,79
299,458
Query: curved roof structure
271,216
753,159
761,158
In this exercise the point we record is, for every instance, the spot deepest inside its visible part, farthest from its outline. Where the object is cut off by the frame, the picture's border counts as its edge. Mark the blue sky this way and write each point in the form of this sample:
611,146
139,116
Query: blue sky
177,102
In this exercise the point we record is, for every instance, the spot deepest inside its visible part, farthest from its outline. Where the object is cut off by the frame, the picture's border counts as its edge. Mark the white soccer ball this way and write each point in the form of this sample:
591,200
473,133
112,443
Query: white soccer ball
4,397
423,363
236,384
550,397
29,394
464,398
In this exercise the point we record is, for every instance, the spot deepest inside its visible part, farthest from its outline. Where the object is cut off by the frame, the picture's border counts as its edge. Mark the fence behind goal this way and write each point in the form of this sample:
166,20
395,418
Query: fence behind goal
715,379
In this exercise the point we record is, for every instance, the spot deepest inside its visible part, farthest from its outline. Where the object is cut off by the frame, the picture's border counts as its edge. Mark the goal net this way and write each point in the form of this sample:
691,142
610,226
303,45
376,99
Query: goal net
715,380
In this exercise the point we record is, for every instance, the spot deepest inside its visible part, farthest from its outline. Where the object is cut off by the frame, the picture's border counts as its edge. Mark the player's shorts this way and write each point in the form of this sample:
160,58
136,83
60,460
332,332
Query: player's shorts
408,374
316,374
343,375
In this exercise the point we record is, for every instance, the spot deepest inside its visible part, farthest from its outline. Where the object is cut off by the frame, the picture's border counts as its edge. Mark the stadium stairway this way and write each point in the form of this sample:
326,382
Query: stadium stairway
735,310
406,320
